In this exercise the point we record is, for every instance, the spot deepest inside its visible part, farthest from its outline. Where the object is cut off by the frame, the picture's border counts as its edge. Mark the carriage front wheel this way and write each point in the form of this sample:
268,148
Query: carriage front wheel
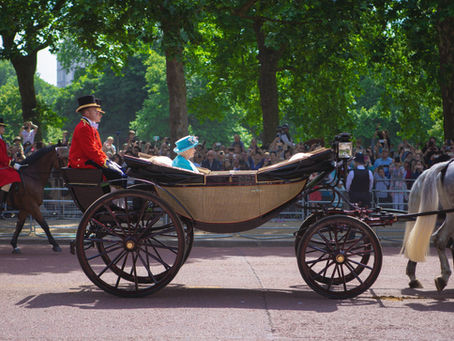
130,243
339,256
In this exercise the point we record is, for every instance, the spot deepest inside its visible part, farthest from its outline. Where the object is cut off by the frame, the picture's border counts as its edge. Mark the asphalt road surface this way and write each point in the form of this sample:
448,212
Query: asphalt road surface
239,293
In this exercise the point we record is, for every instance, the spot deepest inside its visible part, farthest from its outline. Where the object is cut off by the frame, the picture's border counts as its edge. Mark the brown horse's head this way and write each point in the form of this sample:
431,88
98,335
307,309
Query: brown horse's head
62,156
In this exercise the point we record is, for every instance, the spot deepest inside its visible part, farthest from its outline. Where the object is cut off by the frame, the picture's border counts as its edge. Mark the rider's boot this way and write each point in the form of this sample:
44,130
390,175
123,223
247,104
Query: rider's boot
2,202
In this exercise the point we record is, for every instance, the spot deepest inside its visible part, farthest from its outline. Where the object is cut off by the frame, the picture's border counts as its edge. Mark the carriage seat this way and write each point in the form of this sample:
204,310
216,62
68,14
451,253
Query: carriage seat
85,185
159,169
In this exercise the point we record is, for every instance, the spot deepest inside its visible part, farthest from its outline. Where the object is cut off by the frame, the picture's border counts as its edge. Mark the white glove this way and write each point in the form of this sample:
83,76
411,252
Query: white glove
16,166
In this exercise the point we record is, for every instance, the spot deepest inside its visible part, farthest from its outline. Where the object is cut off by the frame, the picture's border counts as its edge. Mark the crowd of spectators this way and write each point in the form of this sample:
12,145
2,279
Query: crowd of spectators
394,167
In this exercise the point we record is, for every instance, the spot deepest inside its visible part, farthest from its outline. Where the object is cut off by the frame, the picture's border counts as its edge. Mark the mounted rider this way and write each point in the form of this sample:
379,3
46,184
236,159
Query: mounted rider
8,168
86,147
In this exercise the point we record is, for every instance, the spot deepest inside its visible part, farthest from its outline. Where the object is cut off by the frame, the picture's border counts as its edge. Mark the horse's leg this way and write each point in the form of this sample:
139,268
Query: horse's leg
411,273
40,219
441,239
19,225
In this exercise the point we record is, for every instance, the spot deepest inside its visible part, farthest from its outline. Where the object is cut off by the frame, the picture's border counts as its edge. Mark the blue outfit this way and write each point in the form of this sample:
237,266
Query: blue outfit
182,162
385,163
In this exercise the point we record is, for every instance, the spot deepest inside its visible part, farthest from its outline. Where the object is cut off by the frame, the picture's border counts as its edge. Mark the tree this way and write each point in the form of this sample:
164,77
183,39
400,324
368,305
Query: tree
112,29
26,27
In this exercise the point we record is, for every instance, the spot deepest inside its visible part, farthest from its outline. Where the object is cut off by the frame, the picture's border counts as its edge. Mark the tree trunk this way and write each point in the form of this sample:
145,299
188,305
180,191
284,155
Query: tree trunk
176,84
267,83
25,67
446,52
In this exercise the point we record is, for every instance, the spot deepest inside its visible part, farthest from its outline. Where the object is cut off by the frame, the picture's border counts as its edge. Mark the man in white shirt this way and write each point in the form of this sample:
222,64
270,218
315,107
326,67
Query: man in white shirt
28,132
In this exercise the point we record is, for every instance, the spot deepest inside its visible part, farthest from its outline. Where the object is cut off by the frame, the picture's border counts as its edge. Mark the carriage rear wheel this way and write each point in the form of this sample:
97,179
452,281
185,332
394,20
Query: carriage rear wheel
130,243
339,256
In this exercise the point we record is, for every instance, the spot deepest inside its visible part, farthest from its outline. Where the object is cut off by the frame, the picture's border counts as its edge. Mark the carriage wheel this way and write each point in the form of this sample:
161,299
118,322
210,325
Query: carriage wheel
339,257
310,219
130,243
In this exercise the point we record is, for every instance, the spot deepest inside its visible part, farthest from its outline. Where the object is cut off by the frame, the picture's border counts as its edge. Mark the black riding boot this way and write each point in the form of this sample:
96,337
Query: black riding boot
2,202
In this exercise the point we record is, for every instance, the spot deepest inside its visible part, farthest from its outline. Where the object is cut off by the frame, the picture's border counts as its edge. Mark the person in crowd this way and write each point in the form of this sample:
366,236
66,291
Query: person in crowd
131,138
211,162
198,159
381,186
370,153
267,159
256,160
86,147
164,150
236,162
109,148
316,196
429,150
417,169
359,148
273,157
398,186
384,160
64,140
16,150
285,136
408,179
8,168
28,132
118,159
237,143
28,149
184,148
221,158
360,182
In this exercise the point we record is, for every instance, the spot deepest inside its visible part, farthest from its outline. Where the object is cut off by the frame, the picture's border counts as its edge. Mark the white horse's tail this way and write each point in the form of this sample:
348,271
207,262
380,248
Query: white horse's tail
417,234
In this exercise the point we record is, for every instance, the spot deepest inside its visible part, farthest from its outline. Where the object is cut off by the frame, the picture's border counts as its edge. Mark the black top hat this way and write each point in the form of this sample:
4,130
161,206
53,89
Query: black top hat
87,102
1,122
359,157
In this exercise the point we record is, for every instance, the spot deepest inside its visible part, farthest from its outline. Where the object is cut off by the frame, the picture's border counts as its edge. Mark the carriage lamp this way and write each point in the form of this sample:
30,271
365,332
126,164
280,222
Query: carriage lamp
343,146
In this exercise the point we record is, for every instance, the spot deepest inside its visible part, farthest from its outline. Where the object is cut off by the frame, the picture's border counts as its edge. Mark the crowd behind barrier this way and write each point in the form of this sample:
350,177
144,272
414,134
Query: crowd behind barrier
394,168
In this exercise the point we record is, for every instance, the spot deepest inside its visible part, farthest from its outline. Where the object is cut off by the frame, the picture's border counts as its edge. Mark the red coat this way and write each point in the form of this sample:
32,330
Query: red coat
85,145
7,174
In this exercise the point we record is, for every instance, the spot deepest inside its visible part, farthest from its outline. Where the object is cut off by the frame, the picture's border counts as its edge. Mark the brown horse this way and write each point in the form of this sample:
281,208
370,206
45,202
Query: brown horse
27,196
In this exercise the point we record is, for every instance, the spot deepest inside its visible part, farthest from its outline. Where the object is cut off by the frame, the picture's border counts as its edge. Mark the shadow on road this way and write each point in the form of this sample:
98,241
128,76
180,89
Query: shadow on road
179,296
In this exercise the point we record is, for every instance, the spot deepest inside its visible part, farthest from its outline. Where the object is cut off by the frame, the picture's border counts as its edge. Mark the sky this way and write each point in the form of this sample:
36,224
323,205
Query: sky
47,66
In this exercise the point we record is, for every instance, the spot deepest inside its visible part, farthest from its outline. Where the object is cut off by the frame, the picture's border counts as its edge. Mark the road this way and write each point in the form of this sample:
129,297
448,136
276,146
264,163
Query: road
235,293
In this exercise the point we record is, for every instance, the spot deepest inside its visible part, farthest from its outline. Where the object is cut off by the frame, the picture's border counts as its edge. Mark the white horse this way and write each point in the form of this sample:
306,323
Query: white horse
432,190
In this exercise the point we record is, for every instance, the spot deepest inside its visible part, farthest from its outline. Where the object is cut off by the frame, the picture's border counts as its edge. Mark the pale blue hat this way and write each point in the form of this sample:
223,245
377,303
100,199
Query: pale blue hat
185,143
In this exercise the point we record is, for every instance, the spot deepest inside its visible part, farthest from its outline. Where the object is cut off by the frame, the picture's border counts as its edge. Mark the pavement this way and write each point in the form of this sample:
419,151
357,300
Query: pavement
220,293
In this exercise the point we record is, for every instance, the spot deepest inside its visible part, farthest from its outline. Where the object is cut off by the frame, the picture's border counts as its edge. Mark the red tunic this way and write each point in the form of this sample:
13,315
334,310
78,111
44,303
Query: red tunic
85,145
7,174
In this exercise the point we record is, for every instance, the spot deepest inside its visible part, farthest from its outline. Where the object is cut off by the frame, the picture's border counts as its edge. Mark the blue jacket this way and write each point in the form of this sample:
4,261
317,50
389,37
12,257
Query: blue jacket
181,162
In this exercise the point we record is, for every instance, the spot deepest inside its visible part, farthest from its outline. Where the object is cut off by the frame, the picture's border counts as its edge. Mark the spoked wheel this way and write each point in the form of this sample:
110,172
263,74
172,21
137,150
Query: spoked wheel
339,257
306,223
130,243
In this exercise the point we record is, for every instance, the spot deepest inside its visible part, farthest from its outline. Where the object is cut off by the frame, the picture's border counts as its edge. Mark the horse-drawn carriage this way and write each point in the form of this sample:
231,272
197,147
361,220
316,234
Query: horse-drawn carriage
132,241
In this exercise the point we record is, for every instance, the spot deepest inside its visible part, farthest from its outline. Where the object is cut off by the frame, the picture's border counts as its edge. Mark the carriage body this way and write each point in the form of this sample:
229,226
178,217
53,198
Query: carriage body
230,201
132,241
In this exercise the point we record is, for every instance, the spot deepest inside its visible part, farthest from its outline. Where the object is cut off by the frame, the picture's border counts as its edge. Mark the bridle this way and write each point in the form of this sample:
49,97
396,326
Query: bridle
62,156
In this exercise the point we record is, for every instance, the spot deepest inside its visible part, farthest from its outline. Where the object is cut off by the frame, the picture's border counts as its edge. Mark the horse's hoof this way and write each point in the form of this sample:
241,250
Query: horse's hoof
16,250
56,248
440,283
415,284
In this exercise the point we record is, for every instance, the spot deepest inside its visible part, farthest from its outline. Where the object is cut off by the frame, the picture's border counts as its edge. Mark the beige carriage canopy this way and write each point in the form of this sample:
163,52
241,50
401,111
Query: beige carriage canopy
229,197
